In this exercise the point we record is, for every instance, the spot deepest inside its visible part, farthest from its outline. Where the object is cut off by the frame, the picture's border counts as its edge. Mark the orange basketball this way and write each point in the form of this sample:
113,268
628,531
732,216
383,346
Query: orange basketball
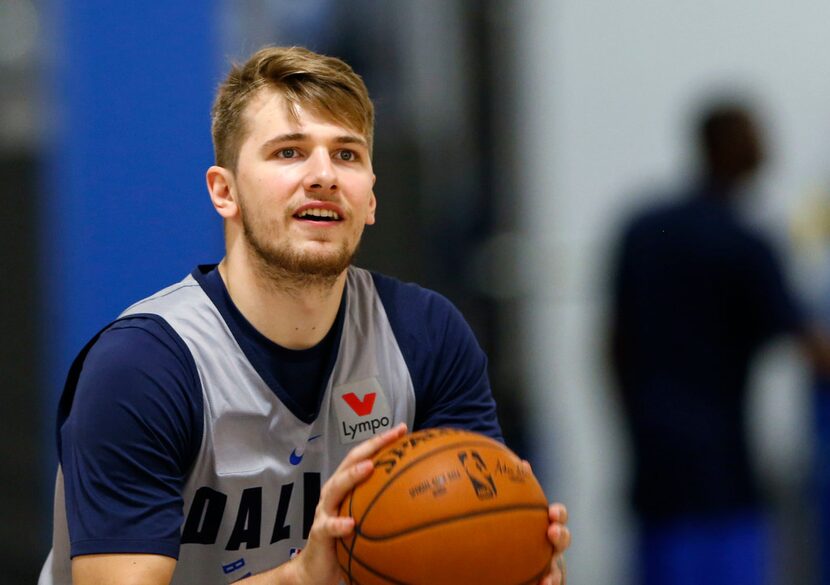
446,507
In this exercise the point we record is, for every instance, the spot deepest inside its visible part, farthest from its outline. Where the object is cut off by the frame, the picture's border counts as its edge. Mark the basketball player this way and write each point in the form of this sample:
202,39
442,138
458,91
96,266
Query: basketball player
211,432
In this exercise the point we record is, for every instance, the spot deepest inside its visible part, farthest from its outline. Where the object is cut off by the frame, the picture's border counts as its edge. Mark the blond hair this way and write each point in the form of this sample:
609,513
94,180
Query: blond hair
325,85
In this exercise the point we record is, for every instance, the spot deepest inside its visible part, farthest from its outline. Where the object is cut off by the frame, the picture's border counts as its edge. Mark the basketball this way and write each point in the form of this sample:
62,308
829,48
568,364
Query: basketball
446,507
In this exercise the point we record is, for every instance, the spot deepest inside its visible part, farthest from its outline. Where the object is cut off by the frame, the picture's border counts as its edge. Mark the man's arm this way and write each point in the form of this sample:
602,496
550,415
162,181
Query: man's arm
126,442
317,565
777,309
122,569
104,445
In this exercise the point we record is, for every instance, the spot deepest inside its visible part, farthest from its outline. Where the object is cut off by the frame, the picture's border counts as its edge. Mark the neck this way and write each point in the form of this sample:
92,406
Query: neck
293,312
720,187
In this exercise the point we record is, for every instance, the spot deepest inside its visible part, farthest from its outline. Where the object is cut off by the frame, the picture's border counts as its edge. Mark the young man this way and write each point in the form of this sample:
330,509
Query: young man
211,432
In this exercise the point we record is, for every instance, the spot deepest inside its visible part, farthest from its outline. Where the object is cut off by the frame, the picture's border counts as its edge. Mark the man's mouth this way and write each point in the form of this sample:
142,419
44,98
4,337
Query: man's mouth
315,214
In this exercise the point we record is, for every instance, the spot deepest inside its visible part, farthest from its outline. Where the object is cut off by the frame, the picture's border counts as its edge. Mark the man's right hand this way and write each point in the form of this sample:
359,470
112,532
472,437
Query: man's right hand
317,564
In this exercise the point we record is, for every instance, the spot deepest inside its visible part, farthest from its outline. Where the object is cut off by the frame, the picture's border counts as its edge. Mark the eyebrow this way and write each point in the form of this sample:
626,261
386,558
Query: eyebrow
300,137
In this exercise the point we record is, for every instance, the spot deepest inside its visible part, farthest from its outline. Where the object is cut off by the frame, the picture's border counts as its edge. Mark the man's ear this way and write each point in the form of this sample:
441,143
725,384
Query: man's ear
373,203
221,185
370,214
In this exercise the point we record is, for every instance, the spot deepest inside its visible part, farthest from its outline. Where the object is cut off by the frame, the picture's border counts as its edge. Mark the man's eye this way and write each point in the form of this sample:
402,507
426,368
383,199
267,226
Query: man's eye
287,153
347,155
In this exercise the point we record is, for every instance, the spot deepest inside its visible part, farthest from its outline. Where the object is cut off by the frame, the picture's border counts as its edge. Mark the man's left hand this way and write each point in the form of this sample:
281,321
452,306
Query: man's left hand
560,538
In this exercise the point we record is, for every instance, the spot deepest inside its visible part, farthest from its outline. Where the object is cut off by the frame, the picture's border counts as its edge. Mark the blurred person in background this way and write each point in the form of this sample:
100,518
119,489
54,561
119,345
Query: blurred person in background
696,294
186,424
816,220
821,455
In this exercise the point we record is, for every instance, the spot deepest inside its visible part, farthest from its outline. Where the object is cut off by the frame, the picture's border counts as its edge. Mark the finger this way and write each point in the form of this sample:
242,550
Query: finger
563,570
557,574
560,537
354,468
341,483
558,513
336,526
371,446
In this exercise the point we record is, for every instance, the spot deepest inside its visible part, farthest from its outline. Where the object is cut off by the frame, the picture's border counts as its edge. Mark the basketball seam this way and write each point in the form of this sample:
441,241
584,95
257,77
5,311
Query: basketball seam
378,573
532,581
353,581
347,569
451,519
354,539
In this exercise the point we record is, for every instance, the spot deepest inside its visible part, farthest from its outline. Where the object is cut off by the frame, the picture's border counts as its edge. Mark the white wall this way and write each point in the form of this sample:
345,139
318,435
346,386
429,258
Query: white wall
604,93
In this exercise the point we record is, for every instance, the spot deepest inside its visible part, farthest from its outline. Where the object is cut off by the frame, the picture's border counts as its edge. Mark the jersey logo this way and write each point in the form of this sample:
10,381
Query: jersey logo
362,410
244,520
295,458
361,407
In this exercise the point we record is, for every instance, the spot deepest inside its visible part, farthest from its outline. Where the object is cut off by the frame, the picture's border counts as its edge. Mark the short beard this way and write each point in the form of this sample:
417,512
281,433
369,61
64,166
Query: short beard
289,270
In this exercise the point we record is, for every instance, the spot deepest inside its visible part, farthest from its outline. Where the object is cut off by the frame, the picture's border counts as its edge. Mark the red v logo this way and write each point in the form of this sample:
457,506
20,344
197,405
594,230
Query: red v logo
361,407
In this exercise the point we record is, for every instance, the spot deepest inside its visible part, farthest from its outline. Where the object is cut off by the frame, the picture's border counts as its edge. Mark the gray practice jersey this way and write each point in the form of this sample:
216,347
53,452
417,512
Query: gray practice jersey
250,496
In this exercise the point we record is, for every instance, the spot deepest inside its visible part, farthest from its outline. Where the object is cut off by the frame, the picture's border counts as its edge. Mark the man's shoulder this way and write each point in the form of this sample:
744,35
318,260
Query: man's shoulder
178,293
688,214
142,340
669,207
410,300
391,284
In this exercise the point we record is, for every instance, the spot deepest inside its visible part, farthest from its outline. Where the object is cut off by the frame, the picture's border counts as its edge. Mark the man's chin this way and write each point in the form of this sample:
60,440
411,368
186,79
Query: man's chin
311,265
321,260
322,267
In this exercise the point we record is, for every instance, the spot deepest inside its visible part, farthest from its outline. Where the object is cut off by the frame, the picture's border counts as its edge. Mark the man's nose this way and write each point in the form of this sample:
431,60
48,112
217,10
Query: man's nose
321,175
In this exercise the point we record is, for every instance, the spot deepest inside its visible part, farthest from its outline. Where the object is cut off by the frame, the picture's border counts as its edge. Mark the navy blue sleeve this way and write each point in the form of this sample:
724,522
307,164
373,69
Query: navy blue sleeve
773,308
127,441
447,365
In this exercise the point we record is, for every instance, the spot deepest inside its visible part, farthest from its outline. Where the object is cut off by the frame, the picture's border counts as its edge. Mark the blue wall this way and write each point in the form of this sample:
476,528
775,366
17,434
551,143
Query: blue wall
125,210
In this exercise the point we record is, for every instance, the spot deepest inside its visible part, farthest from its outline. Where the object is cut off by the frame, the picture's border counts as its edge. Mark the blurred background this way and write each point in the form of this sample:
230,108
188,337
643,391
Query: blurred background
513,139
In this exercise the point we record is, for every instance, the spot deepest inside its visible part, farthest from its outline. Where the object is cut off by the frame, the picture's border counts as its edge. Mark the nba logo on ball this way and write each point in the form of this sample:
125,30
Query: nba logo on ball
477,472
362,410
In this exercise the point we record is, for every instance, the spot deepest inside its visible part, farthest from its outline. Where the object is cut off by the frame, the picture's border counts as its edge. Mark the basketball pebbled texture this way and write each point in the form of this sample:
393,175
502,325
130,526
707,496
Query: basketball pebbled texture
446,507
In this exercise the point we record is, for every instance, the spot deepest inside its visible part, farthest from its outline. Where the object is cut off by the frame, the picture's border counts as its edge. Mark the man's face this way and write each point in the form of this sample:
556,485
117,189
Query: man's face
304,189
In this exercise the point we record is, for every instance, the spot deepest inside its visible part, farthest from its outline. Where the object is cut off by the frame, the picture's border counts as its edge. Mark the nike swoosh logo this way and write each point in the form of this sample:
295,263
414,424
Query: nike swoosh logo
294,458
